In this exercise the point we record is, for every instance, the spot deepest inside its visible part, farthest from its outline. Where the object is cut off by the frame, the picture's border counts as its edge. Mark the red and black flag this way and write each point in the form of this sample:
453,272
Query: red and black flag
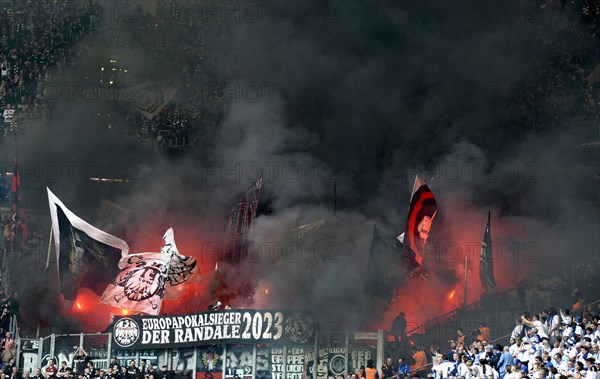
239,223
86,256
18,228
486,262
421,212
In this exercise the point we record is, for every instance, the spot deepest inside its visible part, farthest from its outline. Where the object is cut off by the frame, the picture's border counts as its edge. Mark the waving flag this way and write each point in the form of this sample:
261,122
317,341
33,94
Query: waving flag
421,212
140,285
181,267
149,98
146,279
239,223
86,256
389,264
486,263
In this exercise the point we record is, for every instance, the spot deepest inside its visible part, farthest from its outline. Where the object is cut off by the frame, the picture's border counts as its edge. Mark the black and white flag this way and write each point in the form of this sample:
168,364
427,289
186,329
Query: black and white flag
86,256
141,283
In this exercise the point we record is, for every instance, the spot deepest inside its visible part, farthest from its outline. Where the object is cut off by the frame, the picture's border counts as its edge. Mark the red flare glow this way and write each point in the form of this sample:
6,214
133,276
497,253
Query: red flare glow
124,312
451,295
78,305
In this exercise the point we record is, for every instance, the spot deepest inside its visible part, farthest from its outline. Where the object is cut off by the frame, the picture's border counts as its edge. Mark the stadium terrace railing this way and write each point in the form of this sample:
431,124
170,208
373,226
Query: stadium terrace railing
332,350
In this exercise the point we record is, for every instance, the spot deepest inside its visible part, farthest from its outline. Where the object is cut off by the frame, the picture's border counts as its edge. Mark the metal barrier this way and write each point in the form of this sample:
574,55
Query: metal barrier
333,354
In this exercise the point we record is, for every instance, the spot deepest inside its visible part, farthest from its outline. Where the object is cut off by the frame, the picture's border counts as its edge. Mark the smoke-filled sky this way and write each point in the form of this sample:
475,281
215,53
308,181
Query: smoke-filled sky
366,94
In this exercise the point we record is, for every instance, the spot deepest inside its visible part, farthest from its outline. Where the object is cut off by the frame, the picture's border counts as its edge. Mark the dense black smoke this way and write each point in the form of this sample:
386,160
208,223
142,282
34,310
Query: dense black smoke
363,94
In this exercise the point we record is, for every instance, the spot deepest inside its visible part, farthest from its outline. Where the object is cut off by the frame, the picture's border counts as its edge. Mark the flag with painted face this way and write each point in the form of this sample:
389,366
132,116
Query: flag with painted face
421,212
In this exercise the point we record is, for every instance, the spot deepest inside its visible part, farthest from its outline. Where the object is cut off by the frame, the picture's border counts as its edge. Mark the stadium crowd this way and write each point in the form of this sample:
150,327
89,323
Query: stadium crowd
39,44
564,87
37,38
35,235
83,368
40,38
200,101
553,344
180,32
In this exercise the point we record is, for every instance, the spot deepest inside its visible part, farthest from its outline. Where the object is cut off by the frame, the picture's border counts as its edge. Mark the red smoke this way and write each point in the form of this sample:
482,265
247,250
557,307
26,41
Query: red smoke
420,300
192,297
515,256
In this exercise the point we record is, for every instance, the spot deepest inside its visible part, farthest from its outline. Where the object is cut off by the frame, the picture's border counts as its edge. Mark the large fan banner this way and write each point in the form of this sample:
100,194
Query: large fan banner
228,326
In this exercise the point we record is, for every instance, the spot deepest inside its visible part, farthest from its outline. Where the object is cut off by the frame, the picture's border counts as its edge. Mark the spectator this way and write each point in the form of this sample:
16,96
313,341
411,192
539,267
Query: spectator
62,370
9,352
132,371
80,359
387,370
50,370
371,371
150,371
506,360
164,373
398,329
14,373
403,368
420,366
537,323
484,333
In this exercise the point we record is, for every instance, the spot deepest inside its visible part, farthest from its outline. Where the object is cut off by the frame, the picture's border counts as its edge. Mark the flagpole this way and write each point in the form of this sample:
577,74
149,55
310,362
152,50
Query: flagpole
486,261
15,200
488,290
49,248
334,203
465,283
414,188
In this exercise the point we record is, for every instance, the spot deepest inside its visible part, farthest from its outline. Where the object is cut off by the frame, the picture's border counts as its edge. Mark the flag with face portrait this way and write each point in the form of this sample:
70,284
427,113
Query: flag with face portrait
421,212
